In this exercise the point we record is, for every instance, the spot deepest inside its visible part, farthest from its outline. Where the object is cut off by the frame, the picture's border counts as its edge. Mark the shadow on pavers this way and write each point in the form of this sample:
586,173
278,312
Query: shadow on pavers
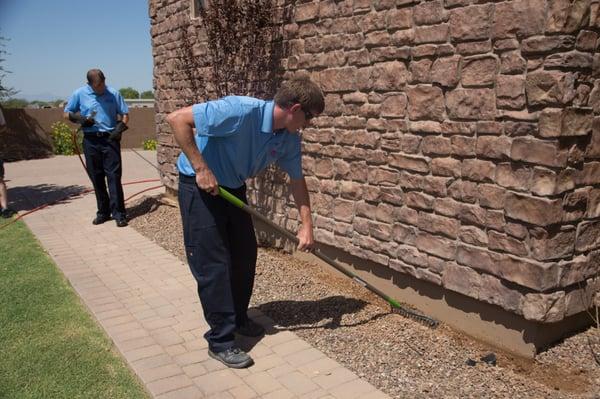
247,343
25,198
303,315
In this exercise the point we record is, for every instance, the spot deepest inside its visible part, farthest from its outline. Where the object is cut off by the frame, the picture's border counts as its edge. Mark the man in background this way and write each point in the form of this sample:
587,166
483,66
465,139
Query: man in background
103,116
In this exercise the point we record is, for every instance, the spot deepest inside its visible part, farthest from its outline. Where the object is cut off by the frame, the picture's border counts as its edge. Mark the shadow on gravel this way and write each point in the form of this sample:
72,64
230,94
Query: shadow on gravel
26,198
305,315
145,206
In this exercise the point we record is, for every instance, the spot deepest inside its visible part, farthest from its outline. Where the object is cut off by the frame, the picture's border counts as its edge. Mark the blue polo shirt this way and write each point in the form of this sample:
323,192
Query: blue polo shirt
235,136
103,108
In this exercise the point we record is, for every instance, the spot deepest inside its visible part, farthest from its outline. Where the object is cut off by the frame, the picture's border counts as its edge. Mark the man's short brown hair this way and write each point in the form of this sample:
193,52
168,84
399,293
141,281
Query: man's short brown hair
301,90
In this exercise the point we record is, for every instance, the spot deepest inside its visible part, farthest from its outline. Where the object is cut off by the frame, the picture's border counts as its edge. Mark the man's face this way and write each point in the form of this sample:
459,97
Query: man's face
99,87
298,118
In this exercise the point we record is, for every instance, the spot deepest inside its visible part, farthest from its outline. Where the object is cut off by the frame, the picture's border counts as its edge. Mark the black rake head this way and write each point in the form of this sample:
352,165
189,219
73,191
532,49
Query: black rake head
428,321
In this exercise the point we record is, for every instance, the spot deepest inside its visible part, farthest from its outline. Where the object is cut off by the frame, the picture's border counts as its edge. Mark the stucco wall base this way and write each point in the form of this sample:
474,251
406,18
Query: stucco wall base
482,321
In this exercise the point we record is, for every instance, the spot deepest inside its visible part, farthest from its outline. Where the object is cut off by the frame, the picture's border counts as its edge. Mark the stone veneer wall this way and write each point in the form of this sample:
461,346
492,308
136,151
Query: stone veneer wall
460,142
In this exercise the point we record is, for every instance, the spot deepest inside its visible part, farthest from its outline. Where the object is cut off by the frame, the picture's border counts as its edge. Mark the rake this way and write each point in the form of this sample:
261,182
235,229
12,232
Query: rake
395,305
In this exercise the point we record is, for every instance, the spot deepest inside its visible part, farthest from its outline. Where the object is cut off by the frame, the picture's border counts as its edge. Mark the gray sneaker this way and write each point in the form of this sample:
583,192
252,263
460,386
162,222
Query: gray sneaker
234,358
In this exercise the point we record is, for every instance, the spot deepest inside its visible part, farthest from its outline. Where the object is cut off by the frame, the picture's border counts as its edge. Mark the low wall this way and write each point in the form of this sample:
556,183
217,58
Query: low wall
28,131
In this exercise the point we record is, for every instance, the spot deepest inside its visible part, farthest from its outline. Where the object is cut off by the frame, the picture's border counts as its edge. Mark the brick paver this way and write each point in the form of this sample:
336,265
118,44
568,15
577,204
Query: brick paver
145,298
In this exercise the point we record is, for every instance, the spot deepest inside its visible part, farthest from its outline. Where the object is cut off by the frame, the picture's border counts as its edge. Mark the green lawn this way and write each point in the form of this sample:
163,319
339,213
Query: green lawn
50,347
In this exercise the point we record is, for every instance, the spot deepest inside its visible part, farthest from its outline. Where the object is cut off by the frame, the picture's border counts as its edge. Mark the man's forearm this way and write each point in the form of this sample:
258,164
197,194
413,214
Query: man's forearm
302,199
188,145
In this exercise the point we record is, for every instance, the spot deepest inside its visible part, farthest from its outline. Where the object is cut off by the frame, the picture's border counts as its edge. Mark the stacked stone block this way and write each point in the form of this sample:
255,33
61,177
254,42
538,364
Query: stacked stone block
460,142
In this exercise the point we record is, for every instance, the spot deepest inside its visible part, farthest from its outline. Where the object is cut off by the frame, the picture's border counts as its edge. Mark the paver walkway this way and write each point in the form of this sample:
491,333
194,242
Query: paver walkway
145,298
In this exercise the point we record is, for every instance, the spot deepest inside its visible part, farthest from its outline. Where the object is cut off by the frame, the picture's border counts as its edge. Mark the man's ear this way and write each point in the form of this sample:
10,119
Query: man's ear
295,107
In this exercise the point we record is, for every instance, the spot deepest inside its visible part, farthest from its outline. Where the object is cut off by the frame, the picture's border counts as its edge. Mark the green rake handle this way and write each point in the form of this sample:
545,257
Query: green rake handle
317,252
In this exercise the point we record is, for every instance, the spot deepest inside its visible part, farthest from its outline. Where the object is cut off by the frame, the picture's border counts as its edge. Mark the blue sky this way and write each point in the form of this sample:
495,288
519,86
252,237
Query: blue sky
54,42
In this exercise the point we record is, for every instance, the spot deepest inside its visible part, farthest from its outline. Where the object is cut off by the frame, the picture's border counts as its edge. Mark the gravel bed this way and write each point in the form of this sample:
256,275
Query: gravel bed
397,355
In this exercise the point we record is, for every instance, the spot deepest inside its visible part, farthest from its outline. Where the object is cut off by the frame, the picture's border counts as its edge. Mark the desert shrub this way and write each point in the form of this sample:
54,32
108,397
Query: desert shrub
62,139
149,144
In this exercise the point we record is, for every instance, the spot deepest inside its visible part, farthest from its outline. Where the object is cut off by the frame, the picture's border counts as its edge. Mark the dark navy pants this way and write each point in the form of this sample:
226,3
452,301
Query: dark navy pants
103,162
220,246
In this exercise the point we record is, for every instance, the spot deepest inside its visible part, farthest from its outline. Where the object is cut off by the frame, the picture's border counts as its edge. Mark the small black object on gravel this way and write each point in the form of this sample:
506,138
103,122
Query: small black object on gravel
490,359
470,362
